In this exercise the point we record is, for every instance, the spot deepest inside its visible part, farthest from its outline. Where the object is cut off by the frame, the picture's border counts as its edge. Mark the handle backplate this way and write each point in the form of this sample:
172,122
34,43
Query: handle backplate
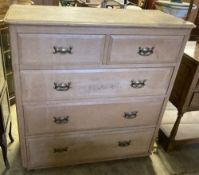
62,86
138,83
130,115
146,51
60,150
124,143
61,119
62,50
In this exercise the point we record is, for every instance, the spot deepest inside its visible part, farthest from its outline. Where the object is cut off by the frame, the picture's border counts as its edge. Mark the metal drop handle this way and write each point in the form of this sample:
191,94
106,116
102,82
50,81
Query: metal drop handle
130,115
61,119
62,50
124,143
145,51
138,83
62,86
60,150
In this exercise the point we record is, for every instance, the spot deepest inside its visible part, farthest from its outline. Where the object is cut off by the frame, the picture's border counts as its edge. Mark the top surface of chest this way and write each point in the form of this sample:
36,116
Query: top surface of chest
19,14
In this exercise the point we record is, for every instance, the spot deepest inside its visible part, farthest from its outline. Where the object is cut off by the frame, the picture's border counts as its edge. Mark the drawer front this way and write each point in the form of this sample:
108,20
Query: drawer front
195,100
76,84
144,49
58,50
62,117
74,149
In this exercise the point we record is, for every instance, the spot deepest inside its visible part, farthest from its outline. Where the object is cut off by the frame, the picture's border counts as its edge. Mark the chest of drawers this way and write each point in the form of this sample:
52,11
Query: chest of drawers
91,84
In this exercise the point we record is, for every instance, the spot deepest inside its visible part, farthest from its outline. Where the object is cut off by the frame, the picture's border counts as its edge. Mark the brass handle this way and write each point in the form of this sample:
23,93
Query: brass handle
130,115
61,120
60,150
138,84
62,50
62,86
124,143
145,51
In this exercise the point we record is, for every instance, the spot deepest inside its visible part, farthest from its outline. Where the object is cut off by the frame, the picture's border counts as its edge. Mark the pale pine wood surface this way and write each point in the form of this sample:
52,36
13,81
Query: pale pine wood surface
98,83
37,49
80,148
91,16
128,53
83,116
91,84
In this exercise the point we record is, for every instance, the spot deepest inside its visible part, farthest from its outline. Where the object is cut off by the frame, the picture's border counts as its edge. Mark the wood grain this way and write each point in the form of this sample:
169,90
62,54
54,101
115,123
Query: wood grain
100,91
90,115
125,49
38,49
98,83
81,148
17,14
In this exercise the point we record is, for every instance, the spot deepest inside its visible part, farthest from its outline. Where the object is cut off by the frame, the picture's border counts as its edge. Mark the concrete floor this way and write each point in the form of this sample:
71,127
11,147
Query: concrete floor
184,161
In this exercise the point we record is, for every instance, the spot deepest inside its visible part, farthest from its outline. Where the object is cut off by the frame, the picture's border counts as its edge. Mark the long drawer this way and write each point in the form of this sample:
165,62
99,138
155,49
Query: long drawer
57,49
62,117
75,84
126,49
79,148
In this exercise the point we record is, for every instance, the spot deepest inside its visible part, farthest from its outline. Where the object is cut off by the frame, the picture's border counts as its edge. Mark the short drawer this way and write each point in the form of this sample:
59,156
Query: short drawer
79,148
77,84
58,50
144,49
195,100
63,117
